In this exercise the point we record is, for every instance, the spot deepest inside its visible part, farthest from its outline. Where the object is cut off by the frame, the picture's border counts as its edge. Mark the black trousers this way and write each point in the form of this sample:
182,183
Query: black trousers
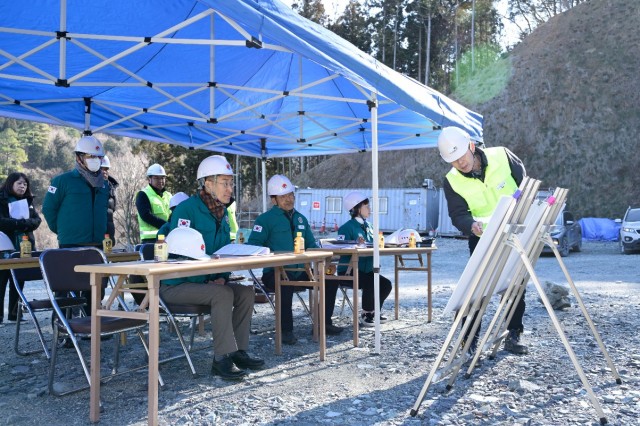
286,312
365,282
516,319
5,278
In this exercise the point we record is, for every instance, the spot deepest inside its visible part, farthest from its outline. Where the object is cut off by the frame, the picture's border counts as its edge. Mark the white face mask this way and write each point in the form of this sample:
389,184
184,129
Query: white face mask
93,164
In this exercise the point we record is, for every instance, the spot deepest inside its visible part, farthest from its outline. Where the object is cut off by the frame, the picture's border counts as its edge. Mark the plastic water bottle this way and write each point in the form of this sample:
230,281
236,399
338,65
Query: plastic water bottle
380,240
161,250
412,240
240,238
298,243
25,247
107,244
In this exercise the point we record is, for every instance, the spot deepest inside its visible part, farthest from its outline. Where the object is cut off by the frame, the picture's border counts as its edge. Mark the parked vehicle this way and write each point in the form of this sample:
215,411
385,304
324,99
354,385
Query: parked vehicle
630,231
566,234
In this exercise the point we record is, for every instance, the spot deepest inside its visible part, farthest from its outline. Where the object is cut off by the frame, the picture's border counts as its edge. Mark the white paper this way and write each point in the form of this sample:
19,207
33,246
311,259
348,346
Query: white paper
19,209
242,250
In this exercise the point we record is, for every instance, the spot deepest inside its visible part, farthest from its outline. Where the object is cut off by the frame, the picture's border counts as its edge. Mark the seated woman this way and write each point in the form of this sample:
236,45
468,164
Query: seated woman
357,227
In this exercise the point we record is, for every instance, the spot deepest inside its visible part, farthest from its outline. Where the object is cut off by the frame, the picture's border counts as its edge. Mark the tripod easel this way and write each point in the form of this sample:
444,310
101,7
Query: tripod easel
503,263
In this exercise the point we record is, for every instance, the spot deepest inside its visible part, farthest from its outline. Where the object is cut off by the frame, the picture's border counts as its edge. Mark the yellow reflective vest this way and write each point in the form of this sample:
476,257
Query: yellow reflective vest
159,207
482,197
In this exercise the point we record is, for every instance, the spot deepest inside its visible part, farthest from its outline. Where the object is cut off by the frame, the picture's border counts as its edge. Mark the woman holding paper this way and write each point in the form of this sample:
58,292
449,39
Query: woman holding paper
17,218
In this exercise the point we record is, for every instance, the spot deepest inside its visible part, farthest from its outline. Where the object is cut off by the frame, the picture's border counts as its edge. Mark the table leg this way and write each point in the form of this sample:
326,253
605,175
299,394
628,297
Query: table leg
397,285
429,297
154,341
94,398
321,309
277,273
356,294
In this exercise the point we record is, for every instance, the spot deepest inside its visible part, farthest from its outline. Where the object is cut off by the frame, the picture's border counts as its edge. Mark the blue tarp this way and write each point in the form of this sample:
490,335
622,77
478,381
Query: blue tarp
599,229
236,76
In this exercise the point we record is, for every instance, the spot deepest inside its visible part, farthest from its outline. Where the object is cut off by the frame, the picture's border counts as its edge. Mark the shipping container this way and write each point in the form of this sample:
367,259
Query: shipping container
416,208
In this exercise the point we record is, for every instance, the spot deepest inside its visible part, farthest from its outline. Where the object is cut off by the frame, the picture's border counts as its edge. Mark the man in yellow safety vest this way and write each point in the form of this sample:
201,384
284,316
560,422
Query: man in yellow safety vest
152,204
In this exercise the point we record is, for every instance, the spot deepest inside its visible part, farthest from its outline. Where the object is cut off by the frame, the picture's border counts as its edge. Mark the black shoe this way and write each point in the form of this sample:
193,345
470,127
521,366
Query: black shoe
14,319
65,342
242,360
512,343
333,330
288,338
226,369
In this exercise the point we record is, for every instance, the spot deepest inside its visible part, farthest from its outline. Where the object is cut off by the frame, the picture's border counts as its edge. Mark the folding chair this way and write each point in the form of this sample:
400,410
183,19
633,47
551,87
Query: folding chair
58,272
257,284
20,277
173,310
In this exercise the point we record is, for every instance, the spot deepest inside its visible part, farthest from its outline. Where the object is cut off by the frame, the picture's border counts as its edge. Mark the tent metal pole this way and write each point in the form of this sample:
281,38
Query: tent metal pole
376,219
264,184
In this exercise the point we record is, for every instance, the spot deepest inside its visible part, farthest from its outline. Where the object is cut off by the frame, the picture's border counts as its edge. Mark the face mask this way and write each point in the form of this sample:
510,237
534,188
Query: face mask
93,164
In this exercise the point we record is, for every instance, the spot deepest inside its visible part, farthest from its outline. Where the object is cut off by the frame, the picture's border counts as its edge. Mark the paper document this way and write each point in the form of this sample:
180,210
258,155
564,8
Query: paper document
242,250
19,209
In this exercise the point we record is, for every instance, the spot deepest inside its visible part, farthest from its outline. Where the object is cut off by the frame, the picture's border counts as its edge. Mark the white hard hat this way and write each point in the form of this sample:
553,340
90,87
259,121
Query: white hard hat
105,162
453,143
187,242
214,165
279,185
90,145
5,243
177,199
156,170
352,199
401,236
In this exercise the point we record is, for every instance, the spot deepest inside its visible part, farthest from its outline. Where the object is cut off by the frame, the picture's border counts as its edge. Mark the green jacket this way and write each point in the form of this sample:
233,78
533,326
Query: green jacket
75,211
351,230
273,229
193,213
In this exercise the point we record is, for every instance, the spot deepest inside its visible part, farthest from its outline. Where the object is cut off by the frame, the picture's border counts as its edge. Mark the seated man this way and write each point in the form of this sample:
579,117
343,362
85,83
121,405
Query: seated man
276,229
231,304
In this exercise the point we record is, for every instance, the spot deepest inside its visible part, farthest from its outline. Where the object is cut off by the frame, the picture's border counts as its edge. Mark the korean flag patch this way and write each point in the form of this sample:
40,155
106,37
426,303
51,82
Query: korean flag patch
340,238
257,228
52,189
184,223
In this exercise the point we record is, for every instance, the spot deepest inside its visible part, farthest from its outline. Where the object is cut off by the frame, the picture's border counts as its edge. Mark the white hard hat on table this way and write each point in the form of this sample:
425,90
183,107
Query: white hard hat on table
187,242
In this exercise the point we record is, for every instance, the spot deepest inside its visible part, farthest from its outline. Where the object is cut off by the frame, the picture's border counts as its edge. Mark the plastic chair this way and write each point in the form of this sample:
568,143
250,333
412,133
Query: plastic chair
58,272
173,310
25,306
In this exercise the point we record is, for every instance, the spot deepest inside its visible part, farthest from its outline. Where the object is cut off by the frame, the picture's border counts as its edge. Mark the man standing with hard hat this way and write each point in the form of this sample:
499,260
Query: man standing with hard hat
152,204
231,303
76,203
473,186
276,229
75,206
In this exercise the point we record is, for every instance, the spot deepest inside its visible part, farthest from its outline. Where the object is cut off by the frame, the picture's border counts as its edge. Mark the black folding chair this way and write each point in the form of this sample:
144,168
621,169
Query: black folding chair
58,272
173,310
25,306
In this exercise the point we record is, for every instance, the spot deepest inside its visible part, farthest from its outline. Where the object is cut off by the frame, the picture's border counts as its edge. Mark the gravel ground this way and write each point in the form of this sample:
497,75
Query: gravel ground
357,387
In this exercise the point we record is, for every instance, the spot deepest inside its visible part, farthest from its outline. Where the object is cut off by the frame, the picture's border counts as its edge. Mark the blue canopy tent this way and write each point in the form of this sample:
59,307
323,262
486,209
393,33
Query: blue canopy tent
235,76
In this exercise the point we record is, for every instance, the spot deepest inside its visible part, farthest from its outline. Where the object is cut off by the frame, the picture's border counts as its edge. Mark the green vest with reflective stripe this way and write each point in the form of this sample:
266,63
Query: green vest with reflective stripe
482,197
159,207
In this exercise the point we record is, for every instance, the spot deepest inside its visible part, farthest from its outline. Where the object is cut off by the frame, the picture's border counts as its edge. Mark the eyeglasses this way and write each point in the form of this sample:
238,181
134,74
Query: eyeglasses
226,185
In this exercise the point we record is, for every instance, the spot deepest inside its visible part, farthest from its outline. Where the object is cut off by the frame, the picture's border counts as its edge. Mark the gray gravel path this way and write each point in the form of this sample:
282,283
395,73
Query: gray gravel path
356,387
